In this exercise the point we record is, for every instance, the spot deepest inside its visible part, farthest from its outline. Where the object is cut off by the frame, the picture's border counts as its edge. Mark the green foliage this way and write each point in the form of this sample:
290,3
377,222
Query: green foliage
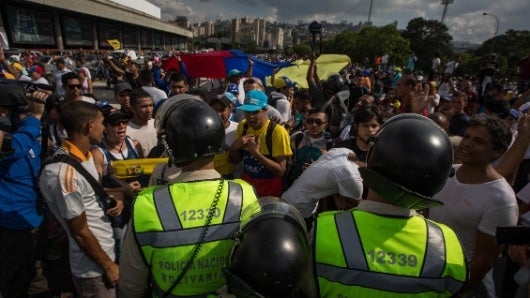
428,37
370,42
288,51
251,47
302,50
469,65
342,43
511,46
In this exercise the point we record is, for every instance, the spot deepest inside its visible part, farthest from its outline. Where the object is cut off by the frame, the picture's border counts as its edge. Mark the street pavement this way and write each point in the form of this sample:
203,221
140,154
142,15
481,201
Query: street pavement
101,92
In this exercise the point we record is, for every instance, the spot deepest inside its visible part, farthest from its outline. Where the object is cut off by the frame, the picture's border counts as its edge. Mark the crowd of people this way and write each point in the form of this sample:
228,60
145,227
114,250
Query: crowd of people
430,162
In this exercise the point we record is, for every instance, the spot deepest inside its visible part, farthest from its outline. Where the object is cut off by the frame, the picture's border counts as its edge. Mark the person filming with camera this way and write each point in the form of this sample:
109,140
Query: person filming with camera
20,162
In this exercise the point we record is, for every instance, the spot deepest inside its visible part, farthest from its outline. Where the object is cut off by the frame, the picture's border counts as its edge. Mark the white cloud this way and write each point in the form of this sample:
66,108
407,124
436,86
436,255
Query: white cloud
464,17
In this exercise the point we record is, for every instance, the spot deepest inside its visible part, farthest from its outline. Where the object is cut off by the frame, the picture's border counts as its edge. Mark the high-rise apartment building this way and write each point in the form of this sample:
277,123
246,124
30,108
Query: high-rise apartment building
260,29
245,30
209,28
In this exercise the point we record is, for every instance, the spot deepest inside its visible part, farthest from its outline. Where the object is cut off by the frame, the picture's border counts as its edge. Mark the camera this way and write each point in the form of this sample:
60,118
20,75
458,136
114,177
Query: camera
516,235
14,101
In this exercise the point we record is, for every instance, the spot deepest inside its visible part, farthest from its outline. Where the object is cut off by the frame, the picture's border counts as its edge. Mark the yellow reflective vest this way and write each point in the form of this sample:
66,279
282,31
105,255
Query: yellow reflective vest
361,254
168,222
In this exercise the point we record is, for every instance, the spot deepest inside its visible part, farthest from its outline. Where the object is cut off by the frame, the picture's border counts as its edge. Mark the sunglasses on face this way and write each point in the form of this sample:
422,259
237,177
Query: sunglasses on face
124,122
312,121
72,87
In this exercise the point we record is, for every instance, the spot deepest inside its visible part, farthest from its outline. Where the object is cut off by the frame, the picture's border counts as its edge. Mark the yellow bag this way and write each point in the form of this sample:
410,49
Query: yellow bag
131,168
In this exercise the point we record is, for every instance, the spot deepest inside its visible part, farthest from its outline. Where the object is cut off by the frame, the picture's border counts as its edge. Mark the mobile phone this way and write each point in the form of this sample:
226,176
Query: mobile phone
515,235
110,203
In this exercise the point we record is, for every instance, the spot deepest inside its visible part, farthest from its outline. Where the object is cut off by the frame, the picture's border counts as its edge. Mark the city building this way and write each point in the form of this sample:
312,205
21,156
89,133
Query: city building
89,24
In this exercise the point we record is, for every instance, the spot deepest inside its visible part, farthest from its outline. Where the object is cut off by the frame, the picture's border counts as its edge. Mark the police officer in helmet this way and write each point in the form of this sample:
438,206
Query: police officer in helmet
181,234
271,254
384,248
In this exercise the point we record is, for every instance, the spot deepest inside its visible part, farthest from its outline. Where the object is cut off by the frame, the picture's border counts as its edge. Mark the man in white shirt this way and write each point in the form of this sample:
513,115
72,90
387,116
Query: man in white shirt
57,74
477,199
334,174
451,66
73,201
147,81
436,67
282,95
142,125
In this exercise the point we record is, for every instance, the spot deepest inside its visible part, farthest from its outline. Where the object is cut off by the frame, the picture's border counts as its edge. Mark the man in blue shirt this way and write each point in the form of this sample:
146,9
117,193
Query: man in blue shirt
19,168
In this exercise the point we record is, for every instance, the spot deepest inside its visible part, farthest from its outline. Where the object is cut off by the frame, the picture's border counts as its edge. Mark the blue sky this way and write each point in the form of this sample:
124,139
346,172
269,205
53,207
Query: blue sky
464,18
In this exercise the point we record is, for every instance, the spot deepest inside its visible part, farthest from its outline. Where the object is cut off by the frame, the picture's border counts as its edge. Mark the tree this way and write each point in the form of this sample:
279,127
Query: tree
342,43
370,42
288,51
428,37
302,50
373,41
513,45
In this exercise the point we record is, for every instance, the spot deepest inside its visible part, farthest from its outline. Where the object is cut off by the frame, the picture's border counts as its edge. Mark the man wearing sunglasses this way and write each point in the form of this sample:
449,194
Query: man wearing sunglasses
308,145
73,88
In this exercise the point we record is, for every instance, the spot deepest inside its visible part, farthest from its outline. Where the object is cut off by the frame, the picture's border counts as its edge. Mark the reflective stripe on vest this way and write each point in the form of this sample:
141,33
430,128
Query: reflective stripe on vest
174,235
387,282
358,274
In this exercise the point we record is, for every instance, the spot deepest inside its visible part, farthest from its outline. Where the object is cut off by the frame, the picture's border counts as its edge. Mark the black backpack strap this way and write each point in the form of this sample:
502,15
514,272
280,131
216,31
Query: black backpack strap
297,139
268,136
96,186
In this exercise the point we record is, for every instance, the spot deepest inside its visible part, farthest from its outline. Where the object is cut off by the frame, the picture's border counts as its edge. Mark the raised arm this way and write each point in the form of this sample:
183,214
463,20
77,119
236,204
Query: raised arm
250,68
515,154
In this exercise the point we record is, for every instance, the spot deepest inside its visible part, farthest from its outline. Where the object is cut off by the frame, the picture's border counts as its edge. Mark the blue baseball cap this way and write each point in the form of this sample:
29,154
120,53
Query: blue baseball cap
230,96
255,100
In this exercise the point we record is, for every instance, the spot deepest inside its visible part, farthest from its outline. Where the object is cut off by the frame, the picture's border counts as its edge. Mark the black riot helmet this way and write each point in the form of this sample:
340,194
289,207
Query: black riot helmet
190,129
335,83
271,253
409,162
